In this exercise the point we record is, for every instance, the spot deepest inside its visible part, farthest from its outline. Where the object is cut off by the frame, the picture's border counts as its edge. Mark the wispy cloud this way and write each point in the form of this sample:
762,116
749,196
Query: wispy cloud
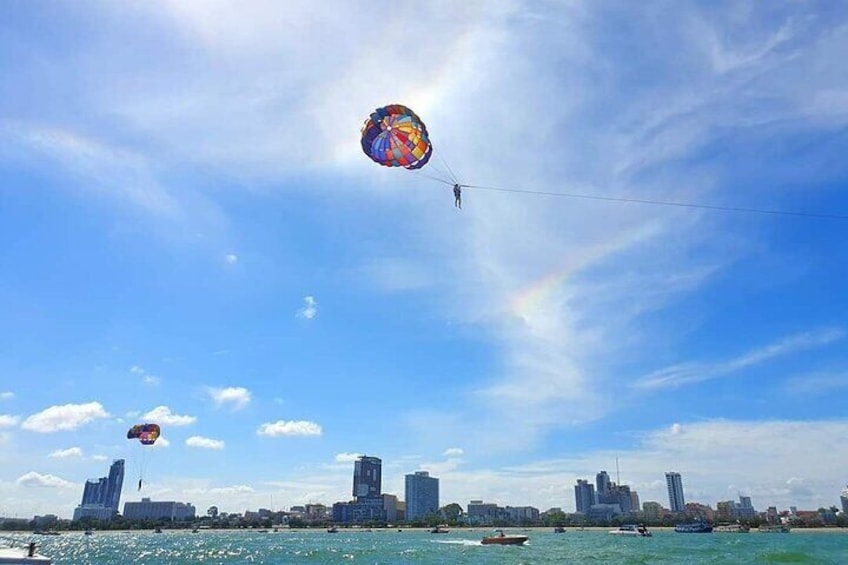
453,452
289,428
231,259
163,415
33,479
64,417
347,457
204,442
8,421
70,452
100,457
690,373
7,395
234,397
147,378
817,383
310,308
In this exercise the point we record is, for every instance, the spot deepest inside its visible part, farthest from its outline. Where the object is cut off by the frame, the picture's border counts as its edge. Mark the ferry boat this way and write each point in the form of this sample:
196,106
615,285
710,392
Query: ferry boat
731,529
694,528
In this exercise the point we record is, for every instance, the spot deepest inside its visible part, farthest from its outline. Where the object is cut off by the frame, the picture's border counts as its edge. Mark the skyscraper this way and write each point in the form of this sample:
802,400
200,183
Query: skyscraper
602,484
675,492
844,499
367,480
100,497
422,495
584,495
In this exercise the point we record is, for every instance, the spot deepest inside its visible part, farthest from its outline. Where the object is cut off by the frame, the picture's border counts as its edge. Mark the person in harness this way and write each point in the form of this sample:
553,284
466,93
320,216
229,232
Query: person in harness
457,196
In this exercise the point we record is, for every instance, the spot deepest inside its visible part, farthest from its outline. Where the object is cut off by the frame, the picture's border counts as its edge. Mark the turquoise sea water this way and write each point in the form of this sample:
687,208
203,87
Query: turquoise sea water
459,546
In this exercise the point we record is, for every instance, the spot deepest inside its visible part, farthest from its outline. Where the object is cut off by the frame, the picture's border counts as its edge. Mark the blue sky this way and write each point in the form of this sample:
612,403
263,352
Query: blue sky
191,234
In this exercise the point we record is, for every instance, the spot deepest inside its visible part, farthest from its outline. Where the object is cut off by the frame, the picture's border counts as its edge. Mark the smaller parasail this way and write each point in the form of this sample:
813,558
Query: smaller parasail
147,434
394,136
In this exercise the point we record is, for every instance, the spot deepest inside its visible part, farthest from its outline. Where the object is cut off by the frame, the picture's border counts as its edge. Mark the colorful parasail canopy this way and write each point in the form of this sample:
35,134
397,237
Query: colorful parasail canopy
147,434
394,136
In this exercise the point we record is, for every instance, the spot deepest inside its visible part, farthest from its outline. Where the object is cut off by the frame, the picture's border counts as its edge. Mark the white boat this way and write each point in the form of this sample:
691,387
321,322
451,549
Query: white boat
22,554
631,530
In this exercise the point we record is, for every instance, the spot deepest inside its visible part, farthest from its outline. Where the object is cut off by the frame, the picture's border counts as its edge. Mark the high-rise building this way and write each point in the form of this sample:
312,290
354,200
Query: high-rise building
602,484
844,499
584,495
367,480
100,497
158,510
675,492
422,495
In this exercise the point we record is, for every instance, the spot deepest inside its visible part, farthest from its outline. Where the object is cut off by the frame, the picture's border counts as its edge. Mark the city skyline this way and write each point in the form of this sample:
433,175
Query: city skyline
193,237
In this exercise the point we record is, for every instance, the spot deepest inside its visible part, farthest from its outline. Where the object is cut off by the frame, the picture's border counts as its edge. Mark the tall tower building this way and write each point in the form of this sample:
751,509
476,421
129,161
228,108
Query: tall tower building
422,495
584,495
675,492
844,499
367,479
101,497
602,484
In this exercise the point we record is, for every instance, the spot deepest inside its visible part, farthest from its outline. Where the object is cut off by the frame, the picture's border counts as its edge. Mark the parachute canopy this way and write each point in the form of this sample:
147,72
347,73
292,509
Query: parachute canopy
394,136
147,434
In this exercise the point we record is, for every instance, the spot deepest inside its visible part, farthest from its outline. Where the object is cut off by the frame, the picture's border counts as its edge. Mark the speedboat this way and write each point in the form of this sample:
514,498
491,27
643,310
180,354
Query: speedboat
503,539
631,530
20,554
438,530
332,530
559,530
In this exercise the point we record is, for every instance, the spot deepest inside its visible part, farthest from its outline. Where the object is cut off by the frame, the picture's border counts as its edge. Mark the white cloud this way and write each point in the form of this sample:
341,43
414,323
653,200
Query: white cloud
204,442
347,457
64,417
7,395
8,421
136,370
689,373
231,259
151,380
70,452
163,415
453,452
290,428
33,479
310,308
100,457
161,442
147,378
236,397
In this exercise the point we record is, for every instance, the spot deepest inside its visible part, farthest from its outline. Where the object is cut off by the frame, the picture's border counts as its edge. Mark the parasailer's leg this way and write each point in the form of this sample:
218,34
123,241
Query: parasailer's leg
139,484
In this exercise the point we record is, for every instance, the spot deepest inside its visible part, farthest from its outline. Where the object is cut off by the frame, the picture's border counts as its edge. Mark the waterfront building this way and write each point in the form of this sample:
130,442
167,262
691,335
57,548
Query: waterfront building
725,510
368,505
653,511
367,477
675,492
522,514
602,485
634,501
844,499
158,510
483,513
603,512
421,494
702,512
584,495
390,507
100,497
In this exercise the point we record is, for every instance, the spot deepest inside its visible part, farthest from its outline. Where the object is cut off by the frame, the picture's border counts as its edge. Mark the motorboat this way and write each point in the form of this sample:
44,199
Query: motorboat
694,528
438,530
19,553
88,532
332,530
631,530
559,530
503,539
